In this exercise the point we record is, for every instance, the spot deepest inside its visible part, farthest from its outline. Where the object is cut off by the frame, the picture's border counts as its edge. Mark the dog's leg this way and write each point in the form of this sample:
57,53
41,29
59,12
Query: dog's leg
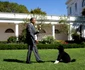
56,62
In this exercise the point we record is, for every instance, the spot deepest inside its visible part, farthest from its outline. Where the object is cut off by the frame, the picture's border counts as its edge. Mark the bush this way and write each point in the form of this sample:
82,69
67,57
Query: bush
61,41
22,37
76,37
3,42
47,40
12,46
40,46
47,46
73,45
12,39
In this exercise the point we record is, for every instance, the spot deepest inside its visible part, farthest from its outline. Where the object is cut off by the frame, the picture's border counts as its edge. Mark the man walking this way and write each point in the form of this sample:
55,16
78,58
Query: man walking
30,38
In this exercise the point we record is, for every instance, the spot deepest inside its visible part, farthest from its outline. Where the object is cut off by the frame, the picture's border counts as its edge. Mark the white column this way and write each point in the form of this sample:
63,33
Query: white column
84,33
70,34
53,31
17,31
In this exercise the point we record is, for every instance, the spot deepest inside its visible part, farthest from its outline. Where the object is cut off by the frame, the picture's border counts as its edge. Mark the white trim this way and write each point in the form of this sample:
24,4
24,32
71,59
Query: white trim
53,31
17,31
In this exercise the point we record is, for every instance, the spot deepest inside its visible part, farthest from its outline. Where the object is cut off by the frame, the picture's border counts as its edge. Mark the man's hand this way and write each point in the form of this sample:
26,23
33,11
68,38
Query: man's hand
36,41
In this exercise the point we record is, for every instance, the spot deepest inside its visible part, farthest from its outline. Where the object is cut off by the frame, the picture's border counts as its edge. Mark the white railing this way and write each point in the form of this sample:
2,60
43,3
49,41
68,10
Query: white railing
20,17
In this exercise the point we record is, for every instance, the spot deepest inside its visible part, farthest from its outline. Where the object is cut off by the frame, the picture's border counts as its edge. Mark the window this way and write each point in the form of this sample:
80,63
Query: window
70,10
83,3
42,31
57,31
75,6
9,30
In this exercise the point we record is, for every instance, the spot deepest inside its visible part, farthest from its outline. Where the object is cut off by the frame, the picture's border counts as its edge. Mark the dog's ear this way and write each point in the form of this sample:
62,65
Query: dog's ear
60,47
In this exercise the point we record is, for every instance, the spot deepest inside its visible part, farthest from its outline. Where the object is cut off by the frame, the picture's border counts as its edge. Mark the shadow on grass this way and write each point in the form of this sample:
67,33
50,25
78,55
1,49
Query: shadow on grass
20,61
14,60
50,61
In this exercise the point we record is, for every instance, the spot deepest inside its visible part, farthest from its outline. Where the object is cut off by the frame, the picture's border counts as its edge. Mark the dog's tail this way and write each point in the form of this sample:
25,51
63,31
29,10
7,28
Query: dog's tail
73,60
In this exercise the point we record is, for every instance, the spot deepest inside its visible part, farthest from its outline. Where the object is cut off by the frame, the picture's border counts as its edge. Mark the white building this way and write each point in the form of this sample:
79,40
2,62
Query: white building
11,25
75,7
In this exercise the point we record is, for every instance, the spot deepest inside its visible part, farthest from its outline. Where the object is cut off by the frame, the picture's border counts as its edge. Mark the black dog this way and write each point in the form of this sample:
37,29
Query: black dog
63,56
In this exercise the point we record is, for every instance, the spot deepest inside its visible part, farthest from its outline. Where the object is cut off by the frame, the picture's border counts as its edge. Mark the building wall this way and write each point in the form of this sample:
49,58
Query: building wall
4,36
74,12
48,29
9,20
4,26
62,35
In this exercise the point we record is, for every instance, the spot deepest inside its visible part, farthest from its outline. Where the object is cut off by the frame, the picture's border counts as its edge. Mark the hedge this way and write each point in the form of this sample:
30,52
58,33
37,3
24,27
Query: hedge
12,46
3,42
54,46
40,46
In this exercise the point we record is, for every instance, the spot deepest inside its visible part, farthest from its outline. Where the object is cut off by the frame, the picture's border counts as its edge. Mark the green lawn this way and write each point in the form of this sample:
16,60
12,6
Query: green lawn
15,60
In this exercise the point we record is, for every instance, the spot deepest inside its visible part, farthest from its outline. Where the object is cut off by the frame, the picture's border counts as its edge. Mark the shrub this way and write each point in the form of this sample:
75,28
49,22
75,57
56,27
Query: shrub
12,46
22,37
47,46
40,46
47,40
61,41
12,39
76,37
4,42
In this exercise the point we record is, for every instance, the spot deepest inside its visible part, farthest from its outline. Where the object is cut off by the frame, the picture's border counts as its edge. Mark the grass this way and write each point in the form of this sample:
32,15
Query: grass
15,60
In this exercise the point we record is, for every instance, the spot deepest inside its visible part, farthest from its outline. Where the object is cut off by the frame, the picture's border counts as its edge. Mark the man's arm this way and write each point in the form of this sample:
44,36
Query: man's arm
36,32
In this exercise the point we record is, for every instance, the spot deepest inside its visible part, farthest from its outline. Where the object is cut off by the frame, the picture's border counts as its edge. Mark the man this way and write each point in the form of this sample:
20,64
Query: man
30,38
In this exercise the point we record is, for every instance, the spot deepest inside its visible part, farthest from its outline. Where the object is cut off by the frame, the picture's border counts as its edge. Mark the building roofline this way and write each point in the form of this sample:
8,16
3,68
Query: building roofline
68,1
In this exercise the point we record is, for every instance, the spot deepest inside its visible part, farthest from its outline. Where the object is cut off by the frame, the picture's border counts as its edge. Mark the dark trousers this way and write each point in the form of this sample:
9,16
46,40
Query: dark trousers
34,49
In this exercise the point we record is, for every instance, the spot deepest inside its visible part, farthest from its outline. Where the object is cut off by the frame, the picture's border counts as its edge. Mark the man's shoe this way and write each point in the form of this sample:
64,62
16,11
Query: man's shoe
40,61
28,62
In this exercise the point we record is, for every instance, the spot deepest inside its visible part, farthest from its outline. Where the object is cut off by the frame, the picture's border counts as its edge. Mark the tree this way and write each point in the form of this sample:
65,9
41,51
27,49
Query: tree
81,25
83,12
12,7
38,11
64,27
16,8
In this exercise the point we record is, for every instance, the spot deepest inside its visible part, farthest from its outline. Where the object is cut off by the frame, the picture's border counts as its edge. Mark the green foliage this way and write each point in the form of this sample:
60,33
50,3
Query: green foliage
22,37
12,7
40,46
64,27
47,46
37,11
6,6
54,46
76,37
3,42
47,40
12,39
63,19
12,46
83,12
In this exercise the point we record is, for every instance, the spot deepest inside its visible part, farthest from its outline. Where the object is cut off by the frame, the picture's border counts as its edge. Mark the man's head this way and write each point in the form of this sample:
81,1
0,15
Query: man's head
33,20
